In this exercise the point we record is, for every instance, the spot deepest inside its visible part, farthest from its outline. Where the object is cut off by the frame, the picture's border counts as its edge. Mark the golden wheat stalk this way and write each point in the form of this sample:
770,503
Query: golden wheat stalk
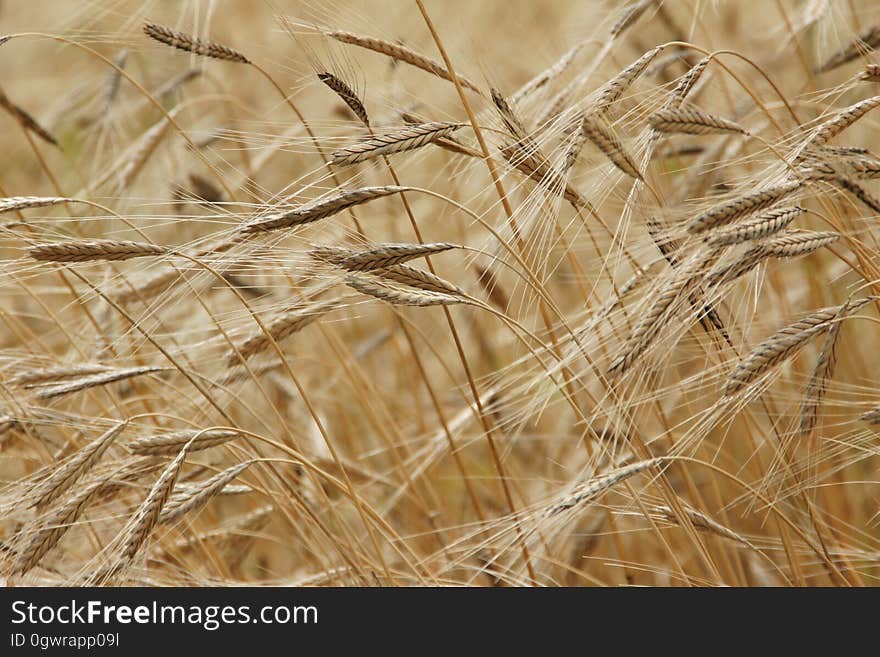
691,121
142,523
402,296
599,133
16,203
864,42
74,468
401,53
821,375
193,498
166,444
102,378
26,120
742,206
285,324
321,209
841,121
612,90
757,227
592,488
785,343
54,526
346,94
388,255
405,139
189,43
87,250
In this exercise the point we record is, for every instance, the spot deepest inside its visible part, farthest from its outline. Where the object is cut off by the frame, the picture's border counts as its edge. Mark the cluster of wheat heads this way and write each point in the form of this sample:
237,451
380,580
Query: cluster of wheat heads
398,312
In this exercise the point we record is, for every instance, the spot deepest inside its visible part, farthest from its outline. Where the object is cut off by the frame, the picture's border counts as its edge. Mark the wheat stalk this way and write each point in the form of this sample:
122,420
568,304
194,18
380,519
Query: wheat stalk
841,121
30,378
286,324
398,141
742,206
193,498
170,443
102,378
16,203
822,373
591,489
785,343
599,132
142,523
691,121
189,43
69,472
87,250
321,209
26,120
866,41
400,53
612,90
402,296
54,526
388,255
757,227
347,94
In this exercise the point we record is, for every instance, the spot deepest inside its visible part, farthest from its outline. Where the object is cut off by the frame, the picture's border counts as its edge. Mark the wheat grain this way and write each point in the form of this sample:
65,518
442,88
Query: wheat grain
599,132
16,203
402,296
26,120
138,529
285,324
841,121
591,489
612,90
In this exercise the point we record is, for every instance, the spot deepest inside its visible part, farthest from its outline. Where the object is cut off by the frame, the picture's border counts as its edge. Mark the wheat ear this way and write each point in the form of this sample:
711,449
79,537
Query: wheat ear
785,343
193,498
86,250
742,206
864,42
692,121
401,53
69,472
398,141
591,489
321,208
189,43
171,443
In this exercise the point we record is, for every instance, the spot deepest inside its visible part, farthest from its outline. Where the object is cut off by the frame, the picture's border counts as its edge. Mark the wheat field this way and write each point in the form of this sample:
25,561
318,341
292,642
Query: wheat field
439,293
